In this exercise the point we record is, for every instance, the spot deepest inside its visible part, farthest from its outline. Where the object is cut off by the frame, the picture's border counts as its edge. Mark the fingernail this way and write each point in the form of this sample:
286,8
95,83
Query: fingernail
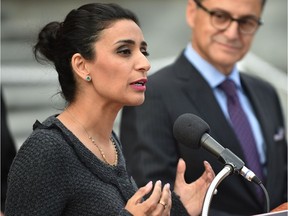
149,183
167,186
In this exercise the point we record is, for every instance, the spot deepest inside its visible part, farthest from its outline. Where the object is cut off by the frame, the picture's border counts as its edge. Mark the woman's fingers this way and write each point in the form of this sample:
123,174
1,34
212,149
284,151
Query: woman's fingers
141,192
165,200
159,202
209,171
181,167
192,195
152,202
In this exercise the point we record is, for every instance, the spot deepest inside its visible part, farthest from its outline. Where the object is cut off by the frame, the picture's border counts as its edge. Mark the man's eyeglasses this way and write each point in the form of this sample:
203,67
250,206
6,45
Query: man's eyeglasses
222,20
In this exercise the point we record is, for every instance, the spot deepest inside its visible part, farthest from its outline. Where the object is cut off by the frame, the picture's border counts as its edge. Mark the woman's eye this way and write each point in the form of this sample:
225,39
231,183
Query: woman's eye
145,53
125,52
128,52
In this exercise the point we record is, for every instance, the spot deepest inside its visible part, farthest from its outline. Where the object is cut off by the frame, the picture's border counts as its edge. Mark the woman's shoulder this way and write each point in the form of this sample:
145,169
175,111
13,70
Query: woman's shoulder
45,141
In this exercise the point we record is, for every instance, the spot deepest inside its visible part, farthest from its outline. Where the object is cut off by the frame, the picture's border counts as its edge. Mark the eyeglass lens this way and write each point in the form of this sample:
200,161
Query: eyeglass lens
222,21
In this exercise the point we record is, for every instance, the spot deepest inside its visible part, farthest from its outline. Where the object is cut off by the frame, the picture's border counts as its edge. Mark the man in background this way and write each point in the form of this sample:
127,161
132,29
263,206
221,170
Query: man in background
222,33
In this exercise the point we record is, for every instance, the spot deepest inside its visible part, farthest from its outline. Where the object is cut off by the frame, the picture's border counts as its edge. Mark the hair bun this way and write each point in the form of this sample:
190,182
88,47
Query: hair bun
48,39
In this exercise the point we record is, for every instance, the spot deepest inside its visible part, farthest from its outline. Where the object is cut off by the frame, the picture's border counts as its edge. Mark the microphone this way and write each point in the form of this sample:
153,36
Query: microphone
193,132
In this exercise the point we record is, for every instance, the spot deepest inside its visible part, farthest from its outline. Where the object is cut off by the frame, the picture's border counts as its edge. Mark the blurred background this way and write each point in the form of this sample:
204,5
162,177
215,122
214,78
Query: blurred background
30,89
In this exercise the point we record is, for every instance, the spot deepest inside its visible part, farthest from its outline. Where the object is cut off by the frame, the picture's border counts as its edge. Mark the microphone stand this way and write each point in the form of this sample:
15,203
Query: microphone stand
226,171
232,164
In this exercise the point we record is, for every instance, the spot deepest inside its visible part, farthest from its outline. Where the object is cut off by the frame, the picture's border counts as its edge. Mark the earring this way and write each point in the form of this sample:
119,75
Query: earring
88,78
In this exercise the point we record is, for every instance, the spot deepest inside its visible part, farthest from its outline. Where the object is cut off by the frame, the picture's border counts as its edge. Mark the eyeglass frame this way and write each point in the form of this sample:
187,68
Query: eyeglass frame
212,13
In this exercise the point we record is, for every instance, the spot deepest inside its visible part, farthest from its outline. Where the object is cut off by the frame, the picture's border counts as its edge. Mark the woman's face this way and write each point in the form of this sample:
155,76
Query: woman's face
119,70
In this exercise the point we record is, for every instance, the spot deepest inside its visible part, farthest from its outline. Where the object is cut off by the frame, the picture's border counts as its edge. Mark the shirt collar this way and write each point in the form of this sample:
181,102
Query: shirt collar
208,71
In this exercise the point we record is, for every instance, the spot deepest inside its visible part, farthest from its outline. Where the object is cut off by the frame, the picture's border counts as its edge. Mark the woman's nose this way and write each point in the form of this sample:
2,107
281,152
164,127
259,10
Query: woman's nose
144,64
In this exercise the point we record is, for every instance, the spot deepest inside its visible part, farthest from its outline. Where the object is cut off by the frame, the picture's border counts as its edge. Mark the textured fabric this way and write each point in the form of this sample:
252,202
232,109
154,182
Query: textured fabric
55,174
243,130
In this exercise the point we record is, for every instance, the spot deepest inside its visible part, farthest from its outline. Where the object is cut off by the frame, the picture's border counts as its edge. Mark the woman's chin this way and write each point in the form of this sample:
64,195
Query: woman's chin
137,102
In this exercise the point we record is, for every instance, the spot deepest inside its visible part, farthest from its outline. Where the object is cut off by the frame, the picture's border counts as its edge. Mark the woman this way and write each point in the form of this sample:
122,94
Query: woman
72,163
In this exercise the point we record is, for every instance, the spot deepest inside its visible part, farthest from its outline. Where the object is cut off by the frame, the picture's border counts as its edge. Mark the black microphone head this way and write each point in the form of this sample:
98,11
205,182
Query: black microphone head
188,130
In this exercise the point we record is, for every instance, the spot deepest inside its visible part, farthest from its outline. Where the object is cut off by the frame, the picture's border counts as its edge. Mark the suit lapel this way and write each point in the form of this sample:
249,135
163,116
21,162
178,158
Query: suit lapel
261,110
202,97
256,99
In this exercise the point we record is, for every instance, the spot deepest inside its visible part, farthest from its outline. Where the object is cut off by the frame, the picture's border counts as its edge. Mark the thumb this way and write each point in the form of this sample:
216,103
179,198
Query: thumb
181,167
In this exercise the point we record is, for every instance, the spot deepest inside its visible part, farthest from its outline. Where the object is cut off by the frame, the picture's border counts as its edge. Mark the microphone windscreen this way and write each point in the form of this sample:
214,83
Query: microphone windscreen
188,130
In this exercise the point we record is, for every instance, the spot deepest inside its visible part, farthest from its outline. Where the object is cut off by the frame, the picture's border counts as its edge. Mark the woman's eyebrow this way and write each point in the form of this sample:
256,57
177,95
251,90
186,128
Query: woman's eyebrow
128,41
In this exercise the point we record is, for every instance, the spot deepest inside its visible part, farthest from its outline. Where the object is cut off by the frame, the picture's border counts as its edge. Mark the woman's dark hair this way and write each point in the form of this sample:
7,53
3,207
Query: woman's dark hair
59,41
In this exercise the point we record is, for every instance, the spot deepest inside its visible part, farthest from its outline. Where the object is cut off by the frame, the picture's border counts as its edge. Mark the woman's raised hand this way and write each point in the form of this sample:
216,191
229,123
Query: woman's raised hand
192,195
159,202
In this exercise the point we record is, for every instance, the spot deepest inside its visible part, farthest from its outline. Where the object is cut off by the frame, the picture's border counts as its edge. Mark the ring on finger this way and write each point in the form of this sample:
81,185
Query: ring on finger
163,204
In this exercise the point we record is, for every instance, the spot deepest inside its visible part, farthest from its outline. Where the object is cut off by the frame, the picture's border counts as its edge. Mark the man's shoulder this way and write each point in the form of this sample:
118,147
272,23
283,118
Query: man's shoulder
180,68
255,81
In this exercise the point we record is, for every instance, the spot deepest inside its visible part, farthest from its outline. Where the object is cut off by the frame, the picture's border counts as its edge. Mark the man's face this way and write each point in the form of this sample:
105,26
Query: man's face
221,48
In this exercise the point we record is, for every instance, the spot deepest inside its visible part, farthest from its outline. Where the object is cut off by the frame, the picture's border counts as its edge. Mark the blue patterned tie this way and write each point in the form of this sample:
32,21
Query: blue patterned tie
243,130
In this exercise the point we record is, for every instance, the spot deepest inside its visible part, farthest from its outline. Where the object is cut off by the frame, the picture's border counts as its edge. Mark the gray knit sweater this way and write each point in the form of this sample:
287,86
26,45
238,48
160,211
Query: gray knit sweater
55,174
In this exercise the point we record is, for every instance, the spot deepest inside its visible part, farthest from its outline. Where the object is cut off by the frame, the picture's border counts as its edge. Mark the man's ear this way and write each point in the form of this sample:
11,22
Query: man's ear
191,12
78,66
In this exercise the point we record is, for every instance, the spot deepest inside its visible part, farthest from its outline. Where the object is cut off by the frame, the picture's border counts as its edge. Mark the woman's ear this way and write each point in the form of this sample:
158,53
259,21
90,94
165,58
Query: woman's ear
191,13
79,66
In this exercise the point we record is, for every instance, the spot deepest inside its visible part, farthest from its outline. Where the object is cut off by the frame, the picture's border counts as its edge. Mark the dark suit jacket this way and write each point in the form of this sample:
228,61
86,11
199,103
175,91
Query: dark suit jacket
152,152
